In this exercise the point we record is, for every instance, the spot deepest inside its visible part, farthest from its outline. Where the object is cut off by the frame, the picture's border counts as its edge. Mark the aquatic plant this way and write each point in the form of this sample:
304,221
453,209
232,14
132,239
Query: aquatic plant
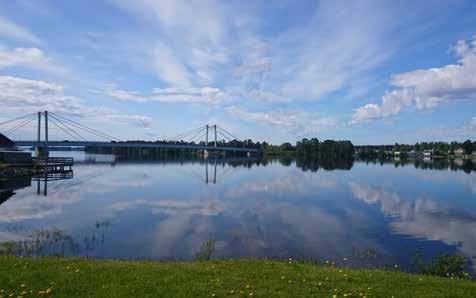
444,265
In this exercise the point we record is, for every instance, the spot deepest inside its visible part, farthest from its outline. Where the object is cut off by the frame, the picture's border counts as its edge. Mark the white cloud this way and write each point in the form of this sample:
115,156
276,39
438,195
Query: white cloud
294,122
16,32
208,95
169,67
137,120
21,95
28,57
223,45
189,40
427,88
423,217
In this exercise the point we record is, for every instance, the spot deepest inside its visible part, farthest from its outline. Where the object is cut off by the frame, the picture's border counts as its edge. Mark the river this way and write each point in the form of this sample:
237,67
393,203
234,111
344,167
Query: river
365,214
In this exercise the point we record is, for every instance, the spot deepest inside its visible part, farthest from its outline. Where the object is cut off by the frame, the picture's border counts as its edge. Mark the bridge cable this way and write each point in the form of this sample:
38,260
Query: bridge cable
227,138
188,133
202,136
65,129
194,135
199,134
88,129
19,118
227,132
18,126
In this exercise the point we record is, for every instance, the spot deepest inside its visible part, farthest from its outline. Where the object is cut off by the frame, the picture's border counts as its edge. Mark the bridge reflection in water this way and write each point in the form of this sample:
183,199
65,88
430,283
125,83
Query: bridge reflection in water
213,170
8,187
47,177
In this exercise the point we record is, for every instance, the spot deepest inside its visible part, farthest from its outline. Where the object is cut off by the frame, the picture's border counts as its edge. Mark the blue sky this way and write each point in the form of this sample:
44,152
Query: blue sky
369,71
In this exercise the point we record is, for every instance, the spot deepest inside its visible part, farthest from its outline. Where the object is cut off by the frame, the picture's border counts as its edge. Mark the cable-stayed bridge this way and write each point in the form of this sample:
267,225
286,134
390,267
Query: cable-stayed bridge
76,134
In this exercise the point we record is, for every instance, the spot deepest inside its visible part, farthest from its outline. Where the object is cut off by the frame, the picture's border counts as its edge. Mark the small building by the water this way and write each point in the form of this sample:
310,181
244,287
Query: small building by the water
427,153
6,143
9,154
459,151
15,157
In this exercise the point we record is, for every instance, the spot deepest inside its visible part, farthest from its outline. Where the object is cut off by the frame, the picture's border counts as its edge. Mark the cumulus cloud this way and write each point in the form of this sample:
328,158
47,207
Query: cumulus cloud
208,95
11,30
296,122
427,88
21,95
423,217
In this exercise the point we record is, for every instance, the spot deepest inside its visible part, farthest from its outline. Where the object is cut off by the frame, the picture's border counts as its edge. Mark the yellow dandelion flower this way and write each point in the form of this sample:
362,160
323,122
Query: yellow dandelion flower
320,284
334,296
282,277
232,292
213,295
48,291
77,270
251,294
22,285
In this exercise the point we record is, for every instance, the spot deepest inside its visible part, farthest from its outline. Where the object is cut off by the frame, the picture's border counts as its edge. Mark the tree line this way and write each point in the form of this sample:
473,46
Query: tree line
438,148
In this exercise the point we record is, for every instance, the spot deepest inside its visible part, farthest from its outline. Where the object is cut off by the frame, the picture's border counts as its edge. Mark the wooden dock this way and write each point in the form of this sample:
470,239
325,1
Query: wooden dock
54,164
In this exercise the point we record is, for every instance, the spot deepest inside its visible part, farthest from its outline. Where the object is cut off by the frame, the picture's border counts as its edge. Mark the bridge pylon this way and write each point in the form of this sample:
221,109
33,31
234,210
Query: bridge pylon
42,149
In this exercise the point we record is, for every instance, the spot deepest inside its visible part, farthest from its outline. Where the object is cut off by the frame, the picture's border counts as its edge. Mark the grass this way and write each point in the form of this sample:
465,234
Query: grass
61,277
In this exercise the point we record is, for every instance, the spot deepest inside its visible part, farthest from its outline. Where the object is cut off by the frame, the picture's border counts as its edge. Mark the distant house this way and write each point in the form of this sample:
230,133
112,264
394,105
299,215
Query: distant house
396,153
427,153
459,151
6,143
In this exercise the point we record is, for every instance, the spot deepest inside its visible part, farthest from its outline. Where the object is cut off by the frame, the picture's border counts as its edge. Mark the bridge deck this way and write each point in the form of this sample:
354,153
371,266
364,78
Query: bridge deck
131,145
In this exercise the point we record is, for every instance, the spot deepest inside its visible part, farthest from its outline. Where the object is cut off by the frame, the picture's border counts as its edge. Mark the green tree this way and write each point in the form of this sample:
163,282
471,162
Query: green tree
467,146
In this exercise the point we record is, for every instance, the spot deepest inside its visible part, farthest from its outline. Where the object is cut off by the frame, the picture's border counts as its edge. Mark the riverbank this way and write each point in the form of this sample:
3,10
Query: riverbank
60,277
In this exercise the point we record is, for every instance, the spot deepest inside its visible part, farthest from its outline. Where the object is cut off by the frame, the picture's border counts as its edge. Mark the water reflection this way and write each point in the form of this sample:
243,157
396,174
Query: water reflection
373,214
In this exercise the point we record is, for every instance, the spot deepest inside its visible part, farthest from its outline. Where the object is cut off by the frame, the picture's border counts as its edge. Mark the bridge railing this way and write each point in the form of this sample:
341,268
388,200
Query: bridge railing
53,160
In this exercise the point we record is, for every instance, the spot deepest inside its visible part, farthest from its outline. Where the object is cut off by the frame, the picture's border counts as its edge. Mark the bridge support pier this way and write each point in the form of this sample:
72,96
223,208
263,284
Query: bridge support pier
41,151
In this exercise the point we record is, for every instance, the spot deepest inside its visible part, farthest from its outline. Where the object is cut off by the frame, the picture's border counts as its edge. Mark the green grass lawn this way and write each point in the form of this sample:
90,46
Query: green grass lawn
241,278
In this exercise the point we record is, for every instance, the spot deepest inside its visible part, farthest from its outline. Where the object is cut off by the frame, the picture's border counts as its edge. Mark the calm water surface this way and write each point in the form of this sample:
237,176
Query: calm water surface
371,214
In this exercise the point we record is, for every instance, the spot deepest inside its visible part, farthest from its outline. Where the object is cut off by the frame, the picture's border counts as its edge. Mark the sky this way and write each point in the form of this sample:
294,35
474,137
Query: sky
373,72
